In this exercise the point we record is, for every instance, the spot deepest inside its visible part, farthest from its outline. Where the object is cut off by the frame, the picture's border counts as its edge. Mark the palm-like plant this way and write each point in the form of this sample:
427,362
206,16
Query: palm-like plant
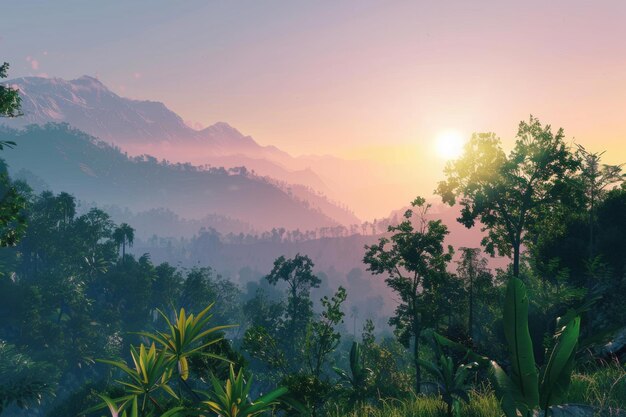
185,337
124,235
359,376
451,381
233,399
152,372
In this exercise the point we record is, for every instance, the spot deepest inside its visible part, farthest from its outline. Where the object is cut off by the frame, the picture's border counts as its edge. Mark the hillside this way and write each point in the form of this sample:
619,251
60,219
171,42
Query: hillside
69,160
150,127
144,126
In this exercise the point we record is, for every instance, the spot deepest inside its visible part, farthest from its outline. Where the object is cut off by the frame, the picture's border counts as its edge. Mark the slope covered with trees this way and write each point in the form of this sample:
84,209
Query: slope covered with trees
69,160
89,329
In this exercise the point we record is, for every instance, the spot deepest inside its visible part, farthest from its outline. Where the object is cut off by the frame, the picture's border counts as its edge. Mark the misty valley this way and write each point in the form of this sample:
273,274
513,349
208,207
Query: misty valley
160,263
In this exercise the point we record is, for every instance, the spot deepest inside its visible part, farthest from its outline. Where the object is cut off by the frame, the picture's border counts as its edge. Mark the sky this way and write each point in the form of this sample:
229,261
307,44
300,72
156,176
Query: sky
357,79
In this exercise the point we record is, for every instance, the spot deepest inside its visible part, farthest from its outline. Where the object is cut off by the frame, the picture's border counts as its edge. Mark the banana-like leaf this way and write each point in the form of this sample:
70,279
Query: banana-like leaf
555,378
473,356
431,368
523,369
355,358
507,391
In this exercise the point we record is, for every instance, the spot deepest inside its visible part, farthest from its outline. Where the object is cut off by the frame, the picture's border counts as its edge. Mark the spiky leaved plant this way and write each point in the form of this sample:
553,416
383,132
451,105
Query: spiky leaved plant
233,399
185,337
151,373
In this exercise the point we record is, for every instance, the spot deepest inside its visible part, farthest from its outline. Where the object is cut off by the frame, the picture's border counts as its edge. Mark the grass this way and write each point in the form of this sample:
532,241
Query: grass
603,387
481,405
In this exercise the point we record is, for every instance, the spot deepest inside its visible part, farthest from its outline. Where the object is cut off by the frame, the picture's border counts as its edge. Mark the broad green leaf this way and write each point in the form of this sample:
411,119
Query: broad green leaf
523,369
556,376
266,400
509,394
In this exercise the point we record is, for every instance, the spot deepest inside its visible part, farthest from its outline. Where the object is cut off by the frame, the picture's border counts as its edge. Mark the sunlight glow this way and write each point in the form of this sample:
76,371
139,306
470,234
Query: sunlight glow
449,144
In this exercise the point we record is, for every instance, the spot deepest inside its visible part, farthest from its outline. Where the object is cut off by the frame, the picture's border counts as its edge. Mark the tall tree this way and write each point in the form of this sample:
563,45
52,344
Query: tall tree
13,205
10,102
12,202
65,209
611,230
512,196
297,273
596,177
470,268
412,258
124,235
324,337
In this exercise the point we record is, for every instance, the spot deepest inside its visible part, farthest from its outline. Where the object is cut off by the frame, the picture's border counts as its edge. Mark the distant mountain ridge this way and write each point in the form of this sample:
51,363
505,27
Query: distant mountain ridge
149,127
69,160
143,126
86,104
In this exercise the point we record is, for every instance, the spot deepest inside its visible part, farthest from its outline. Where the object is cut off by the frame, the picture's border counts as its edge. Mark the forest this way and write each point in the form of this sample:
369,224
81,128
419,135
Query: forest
90,328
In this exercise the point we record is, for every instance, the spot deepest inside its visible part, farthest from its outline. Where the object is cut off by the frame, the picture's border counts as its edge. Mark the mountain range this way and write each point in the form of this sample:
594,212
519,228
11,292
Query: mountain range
149,127
202,185
69,160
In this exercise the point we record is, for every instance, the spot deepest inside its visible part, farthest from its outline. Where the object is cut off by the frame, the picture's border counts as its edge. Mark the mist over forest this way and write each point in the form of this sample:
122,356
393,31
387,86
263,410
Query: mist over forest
152,265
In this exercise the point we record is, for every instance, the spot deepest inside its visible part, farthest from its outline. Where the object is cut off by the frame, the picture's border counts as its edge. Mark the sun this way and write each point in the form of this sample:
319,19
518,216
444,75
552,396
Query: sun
449,144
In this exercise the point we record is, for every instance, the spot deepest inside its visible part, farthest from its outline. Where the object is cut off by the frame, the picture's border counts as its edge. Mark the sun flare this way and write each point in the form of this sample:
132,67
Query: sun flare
449,144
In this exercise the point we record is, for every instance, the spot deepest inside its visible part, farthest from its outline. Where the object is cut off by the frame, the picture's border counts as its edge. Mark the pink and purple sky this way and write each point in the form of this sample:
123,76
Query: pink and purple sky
356,79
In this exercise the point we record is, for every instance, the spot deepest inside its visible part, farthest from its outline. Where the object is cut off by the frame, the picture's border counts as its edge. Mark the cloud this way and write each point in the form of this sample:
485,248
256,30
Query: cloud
137,75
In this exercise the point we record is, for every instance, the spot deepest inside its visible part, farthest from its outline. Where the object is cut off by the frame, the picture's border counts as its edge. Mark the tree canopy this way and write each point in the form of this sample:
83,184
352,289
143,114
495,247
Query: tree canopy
512,196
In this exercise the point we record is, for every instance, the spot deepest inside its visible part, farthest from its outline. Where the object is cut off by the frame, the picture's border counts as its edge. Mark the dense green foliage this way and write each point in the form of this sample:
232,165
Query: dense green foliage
88,327
67,159
514,197
415,260
12,221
